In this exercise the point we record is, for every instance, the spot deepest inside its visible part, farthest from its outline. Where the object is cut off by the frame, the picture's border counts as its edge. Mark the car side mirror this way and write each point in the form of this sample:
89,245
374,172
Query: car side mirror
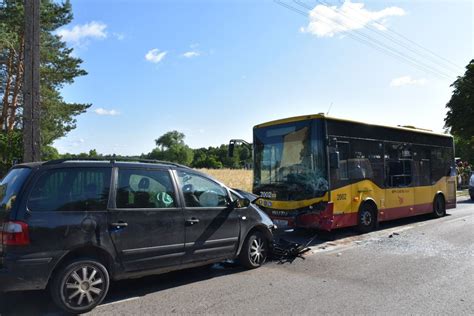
240,203
334,160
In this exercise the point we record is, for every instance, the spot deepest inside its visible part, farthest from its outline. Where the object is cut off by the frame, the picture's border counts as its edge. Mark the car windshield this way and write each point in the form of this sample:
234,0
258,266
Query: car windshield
10,187
290,161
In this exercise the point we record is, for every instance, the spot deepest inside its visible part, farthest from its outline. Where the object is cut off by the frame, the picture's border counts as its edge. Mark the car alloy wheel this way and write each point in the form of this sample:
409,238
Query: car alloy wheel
254,250
83,286
80,286
258,251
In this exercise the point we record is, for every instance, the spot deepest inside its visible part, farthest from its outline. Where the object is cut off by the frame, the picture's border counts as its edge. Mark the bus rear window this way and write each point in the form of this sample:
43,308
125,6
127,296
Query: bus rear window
10,186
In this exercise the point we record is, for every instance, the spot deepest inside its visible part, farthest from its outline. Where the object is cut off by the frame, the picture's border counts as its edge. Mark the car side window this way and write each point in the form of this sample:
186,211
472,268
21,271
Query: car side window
145,189
199,191
71,189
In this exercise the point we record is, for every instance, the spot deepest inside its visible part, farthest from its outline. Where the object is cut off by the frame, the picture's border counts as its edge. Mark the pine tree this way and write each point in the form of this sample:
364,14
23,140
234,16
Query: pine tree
58,67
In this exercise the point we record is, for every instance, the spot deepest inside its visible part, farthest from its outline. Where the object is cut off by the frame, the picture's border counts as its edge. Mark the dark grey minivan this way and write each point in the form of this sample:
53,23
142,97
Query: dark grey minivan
73,226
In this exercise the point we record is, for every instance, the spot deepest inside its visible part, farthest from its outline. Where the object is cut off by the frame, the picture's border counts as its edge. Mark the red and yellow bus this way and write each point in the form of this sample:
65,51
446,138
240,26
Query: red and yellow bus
321,172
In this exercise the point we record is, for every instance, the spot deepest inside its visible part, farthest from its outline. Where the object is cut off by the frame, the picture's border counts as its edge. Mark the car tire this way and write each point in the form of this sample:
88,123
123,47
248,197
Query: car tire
366,218
254,250
439,207
79,286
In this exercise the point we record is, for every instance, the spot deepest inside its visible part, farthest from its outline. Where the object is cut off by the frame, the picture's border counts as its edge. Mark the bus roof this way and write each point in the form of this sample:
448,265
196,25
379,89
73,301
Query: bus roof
322,116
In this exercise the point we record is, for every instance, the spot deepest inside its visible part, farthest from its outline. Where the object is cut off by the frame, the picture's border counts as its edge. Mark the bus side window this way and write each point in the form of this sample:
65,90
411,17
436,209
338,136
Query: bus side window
366,161
399,165
342,172
421,166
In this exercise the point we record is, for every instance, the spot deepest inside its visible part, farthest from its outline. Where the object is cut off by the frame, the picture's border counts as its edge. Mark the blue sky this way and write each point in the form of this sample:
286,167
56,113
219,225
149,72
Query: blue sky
213,69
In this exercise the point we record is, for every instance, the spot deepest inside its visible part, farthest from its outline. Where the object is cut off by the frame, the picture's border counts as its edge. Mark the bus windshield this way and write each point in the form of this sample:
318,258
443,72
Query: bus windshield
290,161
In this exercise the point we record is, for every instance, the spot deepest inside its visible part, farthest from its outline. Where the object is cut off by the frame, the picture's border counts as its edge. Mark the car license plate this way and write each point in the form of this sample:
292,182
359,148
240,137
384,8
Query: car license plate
280,223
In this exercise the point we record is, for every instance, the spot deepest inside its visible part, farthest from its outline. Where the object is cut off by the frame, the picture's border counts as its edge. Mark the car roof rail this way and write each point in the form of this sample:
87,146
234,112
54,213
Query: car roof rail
113,160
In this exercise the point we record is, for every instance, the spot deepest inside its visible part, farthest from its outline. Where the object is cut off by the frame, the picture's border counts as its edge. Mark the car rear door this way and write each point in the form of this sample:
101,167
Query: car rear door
146,221
212,228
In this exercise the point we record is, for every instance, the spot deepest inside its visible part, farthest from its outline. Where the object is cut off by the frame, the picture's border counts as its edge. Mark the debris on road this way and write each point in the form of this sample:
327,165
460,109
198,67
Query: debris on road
285,251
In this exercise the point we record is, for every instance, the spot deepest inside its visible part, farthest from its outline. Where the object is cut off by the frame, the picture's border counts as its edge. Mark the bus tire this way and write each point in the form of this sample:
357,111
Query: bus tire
366,218
439,206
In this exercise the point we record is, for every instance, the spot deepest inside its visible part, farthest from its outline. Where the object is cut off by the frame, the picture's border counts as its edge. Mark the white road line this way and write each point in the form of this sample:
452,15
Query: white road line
121,301
458,219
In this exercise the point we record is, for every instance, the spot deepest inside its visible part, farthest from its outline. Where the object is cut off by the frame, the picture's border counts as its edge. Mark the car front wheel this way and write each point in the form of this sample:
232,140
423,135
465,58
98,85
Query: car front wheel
254,250
80,286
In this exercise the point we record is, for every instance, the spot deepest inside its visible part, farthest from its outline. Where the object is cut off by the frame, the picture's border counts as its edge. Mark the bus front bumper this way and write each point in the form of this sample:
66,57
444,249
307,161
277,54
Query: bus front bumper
323,220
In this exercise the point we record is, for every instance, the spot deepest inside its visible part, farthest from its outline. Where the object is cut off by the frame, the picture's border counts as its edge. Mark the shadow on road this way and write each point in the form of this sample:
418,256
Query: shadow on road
40,303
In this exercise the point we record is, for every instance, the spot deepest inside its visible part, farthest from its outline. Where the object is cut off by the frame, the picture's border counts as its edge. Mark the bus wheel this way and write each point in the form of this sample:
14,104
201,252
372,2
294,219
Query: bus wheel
439,207
366,218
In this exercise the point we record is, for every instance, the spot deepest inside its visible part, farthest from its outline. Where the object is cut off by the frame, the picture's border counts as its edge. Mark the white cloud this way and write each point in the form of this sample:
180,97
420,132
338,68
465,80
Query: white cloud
406,80
102,111
191,54
80,34
119,36
326,21
155,55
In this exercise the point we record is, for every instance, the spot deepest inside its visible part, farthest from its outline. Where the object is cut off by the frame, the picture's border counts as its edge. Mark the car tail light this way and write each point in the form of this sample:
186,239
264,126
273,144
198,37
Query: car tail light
15,234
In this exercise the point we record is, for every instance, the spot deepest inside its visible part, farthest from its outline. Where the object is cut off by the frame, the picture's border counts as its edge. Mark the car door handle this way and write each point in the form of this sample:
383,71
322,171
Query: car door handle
119,225
192,221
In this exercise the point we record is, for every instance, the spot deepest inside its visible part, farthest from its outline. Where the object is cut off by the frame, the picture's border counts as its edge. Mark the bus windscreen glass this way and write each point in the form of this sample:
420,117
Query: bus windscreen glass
290,161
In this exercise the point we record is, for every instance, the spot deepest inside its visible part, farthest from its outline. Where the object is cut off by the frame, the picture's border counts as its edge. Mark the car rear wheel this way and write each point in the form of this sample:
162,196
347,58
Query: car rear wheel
439,207
80,286
254,250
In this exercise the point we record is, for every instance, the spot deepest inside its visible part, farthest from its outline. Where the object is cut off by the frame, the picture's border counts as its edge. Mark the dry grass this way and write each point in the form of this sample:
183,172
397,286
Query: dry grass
233,178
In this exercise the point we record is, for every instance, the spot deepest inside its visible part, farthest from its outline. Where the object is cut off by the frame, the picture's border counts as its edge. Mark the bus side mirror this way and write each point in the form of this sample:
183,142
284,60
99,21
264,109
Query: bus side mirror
230,153
334,160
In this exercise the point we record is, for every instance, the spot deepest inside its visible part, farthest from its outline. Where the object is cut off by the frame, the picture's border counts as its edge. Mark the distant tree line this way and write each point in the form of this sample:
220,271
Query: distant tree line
171,147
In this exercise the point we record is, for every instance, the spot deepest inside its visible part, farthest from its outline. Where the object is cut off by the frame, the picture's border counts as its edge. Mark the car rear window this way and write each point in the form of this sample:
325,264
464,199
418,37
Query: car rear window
71,189
10,187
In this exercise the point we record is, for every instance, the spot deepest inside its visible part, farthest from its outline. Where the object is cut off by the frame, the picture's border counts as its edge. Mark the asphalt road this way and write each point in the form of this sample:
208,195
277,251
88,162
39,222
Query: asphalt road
410,266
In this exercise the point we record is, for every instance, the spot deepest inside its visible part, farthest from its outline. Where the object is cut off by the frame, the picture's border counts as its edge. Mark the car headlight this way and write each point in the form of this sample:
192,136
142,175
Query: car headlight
471,181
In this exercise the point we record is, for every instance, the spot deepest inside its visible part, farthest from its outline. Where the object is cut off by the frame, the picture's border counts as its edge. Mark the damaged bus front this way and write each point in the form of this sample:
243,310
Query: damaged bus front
291,173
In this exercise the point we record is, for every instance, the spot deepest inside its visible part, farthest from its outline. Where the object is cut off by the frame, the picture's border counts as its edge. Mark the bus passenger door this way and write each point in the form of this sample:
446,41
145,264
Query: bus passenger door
341,194
400,193
422,182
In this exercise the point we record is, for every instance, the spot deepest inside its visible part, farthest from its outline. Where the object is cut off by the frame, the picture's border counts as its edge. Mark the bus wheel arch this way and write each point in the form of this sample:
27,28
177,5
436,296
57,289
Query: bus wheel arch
367,216
439,205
